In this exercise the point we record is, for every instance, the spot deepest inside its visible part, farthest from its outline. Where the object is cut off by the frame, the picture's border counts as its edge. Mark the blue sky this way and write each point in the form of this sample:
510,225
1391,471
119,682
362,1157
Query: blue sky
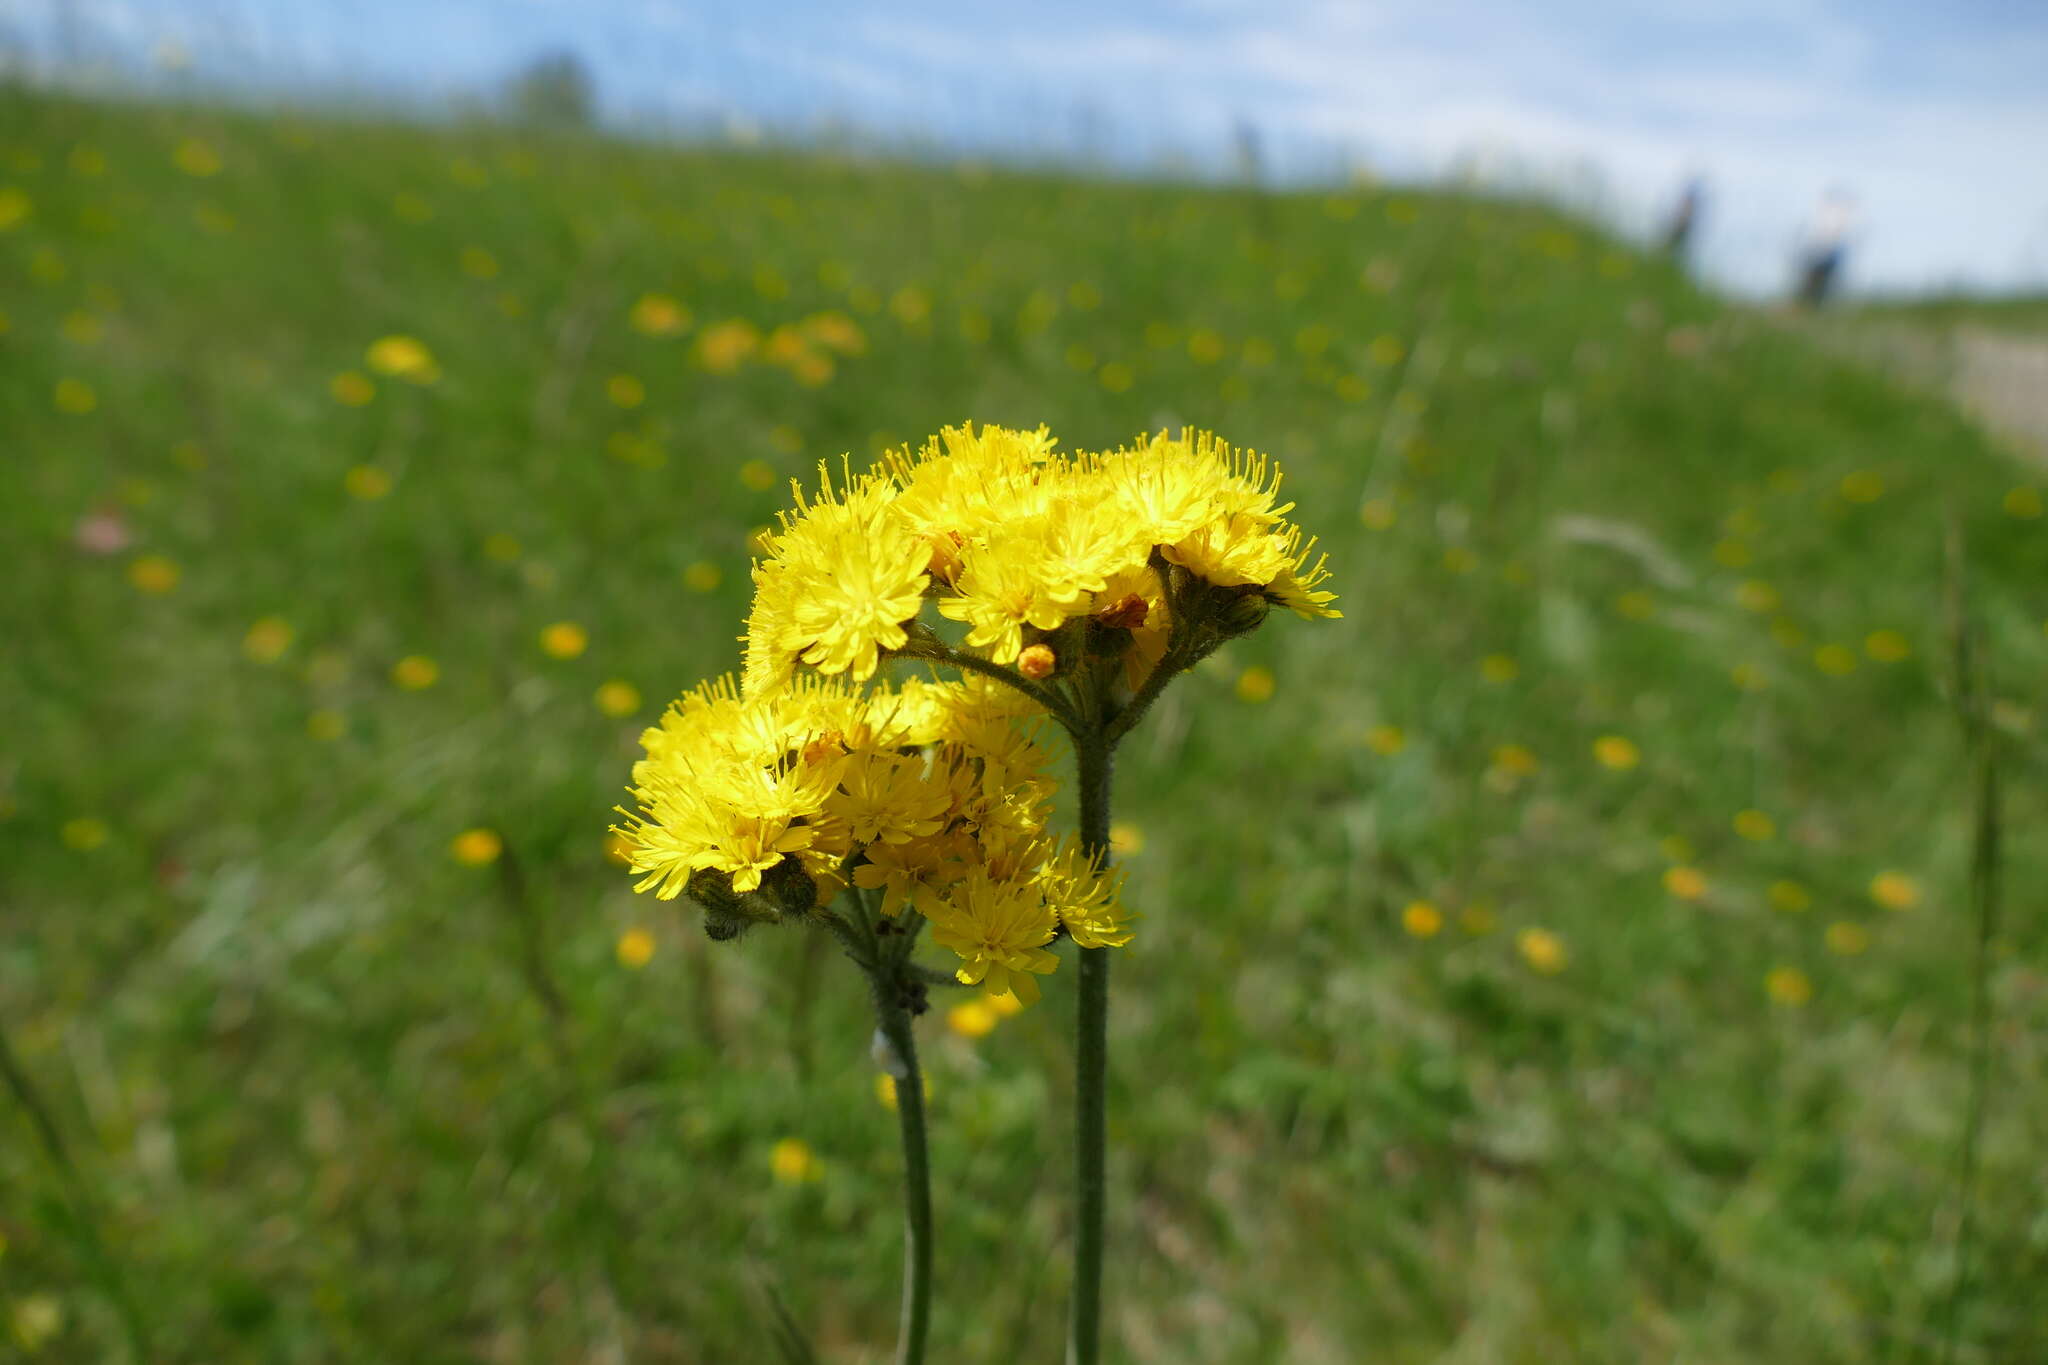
1933,114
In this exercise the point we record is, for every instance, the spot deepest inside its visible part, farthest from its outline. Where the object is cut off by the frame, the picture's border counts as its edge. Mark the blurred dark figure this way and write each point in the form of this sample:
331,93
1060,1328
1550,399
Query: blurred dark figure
554,91
1245,154
1825,244
1685,219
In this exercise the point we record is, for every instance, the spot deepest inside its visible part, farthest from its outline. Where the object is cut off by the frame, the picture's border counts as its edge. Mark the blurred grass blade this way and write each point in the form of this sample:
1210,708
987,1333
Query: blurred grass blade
1980,744
85,1212
792,1347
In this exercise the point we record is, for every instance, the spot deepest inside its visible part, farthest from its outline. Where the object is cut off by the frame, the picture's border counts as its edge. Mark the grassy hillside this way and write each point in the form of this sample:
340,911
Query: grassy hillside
1563,957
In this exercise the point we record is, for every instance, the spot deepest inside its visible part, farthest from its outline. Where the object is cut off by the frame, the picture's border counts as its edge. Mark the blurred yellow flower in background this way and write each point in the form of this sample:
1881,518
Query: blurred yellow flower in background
658,315
83,834
758,475
1686,883
625,391
74,396
402,357
1847,938
195,157
618,698
1126,839
2023,503
1477,918
352,388
1255,684
1421,919
366,482
1377,514
635,948
792,1162
1835,660
476,847
1788,986
885,1089
477,263
1789,896
974,1019
1542,950
326,725
415,672
1756,595
724,347
1755,826
1887,646
34,1319
702,576
1386,740
153,574
1616,752
1499,668
1636,605
564,640
267,640
1895,891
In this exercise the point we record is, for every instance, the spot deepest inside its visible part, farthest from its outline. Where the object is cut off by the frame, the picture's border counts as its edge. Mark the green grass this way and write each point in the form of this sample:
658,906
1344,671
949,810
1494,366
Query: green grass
308,1060
2014,312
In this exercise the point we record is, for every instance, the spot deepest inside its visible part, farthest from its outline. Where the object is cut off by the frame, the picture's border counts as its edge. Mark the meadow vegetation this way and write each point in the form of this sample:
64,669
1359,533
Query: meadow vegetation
1565,956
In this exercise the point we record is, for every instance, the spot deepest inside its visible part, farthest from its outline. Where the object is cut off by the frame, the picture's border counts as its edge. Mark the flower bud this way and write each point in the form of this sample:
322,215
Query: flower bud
789,888
1037,662
728,914
1243,615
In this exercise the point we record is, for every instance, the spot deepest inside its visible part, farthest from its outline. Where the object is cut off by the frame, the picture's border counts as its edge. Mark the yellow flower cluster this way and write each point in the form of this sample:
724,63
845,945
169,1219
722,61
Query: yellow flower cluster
1015,540
933,794
1069,577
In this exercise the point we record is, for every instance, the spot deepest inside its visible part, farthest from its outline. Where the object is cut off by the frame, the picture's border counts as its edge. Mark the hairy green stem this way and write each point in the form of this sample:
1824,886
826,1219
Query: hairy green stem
894,981
915,1319
1092,759
927,645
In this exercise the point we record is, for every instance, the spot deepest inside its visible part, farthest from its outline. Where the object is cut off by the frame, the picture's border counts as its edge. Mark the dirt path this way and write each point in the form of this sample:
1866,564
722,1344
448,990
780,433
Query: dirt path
1999,377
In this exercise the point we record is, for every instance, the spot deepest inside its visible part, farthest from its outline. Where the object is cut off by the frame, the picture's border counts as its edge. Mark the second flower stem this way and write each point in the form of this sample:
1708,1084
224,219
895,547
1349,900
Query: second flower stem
1092,758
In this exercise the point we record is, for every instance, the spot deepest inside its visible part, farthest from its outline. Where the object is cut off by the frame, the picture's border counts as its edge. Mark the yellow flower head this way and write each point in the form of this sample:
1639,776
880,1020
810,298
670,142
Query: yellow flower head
1084,900
847,579
999,929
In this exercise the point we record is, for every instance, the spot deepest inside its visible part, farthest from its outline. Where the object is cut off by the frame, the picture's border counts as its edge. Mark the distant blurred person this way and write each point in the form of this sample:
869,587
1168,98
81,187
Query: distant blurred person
1245,152
1824,246
1685,219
